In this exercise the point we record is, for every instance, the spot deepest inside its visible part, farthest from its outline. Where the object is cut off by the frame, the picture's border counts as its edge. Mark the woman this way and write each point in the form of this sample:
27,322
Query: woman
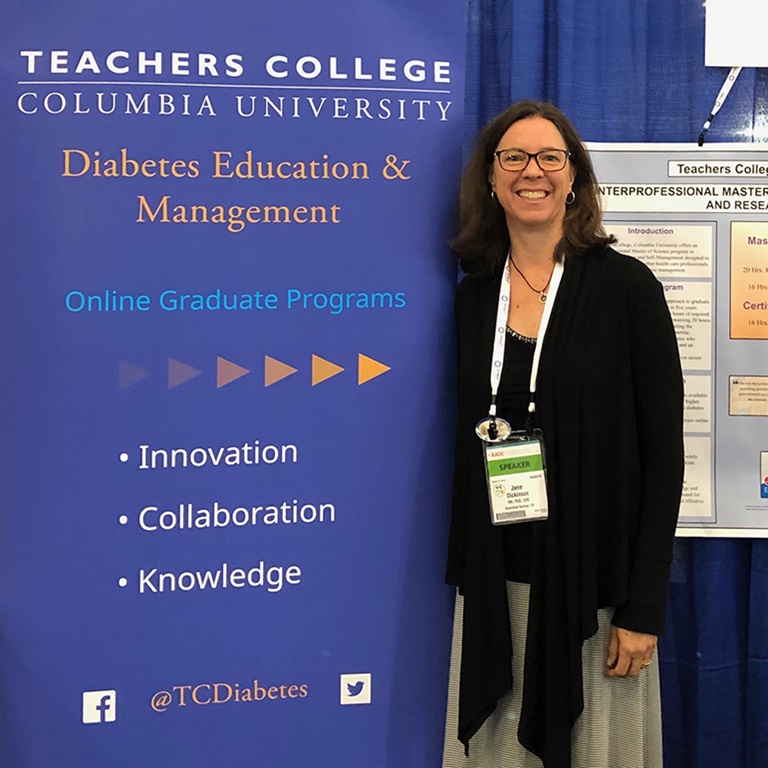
554,643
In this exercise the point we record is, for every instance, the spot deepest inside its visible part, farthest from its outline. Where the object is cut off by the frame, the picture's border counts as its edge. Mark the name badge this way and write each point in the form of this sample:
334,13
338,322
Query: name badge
516,476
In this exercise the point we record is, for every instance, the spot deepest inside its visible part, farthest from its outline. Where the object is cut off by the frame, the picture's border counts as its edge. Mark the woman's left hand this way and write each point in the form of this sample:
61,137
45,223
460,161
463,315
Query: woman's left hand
629,652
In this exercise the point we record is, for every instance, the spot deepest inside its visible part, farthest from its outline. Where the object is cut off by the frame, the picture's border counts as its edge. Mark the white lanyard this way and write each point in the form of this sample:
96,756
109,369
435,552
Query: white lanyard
719,101
497,361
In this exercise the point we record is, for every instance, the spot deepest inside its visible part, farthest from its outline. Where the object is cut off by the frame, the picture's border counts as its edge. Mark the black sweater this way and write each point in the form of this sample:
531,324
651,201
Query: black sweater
610,405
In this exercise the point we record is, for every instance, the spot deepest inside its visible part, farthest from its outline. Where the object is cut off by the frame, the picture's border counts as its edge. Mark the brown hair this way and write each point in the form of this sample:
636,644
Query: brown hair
483,239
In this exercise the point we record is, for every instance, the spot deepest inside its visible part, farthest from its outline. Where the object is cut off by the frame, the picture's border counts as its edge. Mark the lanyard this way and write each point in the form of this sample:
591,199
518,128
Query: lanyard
719,101
499,342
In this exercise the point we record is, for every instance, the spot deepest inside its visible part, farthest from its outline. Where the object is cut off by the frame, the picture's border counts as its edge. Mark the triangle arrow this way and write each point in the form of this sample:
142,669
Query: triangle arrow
368,368
227,372
274,370
130,374
323,369
178,373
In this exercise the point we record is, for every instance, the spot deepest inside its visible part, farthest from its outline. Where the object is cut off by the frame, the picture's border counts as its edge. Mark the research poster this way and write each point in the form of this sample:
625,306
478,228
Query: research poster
698,217
226,324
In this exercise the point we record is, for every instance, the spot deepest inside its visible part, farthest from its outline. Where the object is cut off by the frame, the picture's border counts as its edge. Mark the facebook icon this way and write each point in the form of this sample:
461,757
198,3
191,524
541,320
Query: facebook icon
99,706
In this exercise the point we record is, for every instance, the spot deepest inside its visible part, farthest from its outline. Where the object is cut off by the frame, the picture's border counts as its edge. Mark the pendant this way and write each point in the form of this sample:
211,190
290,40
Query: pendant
542,297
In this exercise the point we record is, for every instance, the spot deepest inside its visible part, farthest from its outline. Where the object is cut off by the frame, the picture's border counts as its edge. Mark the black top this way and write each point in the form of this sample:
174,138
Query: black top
610,405
512,399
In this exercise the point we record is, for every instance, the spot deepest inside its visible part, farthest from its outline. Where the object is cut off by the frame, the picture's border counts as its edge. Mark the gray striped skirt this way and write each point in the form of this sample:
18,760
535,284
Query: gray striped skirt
620,726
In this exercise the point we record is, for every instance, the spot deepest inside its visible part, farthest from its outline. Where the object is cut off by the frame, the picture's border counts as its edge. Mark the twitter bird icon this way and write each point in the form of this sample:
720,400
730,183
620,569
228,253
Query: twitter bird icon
353,689
356,688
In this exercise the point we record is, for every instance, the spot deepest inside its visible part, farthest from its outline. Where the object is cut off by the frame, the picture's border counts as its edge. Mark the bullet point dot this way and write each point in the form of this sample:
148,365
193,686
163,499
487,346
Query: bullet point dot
123,582
124,457
123,519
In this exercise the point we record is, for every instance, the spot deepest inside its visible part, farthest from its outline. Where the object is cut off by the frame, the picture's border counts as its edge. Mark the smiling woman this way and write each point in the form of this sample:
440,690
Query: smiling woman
566,351
532,177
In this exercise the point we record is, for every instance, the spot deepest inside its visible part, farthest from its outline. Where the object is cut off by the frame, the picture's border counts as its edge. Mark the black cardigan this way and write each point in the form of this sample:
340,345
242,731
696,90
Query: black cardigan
610,405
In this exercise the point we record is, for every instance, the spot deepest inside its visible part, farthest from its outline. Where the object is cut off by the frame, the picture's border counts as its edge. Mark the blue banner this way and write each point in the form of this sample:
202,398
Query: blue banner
226,335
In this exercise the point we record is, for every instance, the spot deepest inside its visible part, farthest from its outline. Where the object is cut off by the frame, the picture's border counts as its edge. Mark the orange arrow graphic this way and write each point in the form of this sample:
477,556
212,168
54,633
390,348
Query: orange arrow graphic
323,369
368,368
178,373
227,372
274,370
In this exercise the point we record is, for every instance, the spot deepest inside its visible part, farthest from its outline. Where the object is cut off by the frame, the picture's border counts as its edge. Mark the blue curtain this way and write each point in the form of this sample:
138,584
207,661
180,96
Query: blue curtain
634,71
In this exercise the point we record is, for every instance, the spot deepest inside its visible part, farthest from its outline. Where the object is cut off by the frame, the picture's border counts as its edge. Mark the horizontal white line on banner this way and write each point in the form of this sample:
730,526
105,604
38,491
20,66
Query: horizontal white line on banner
232,85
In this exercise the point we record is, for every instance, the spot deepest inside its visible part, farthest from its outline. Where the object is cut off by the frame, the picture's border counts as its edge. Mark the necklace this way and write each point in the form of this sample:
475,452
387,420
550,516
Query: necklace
519,336
543,292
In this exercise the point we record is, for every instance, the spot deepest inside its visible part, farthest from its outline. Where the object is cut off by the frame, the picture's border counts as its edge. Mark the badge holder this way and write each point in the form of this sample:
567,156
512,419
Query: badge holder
515,471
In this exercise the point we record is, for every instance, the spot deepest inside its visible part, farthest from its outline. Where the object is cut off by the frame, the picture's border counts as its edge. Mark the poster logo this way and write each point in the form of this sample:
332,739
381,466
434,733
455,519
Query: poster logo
99,706
356,689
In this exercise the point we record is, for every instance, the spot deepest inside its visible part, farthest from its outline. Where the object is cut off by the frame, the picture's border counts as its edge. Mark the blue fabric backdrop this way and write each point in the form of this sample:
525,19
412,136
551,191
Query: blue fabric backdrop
635,72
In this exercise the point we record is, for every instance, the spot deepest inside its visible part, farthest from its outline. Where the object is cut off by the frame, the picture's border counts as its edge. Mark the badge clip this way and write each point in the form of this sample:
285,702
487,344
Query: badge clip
493,430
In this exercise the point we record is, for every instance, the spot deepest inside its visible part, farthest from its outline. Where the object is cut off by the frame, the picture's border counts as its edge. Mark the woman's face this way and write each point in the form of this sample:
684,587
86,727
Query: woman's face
532,198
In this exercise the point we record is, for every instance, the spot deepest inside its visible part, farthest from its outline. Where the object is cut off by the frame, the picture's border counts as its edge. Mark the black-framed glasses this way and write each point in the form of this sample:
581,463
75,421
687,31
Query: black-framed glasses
518,159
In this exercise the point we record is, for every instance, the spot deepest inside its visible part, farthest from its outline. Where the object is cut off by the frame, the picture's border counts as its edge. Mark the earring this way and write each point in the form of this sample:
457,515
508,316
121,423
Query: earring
493,194
570,197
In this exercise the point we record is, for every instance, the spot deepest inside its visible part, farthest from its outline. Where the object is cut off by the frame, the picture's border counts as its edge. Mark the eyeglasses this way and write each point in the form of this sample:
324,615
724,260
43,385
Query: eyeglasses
518,159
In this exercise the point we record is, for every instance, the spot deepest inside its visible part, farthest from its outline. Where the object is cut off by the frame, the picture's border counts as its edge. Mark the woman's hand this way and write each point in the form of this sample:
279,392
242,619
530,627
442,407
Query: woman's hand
629,652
